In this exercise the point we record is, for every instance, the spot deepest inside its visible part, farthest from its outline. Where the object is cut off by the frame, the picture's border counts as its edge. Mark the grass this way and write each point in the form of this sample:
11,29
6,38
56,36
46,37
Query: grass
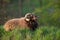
41,33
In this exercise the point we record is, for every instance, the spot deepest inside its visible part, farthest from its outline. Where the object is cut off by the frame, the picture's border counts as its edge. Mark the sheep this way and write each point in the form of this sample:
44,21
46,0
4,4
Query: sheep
28,21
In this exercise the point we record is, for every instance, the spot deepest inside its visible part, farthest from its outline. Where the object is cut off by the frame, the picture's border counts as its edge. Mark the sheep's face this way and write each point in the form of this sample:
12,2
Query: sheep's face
30,17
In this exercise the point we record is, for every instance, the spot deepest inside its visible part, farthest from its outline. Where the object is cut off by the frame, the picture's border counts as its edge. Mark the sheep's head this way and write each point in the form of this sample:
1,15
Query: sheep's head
32,20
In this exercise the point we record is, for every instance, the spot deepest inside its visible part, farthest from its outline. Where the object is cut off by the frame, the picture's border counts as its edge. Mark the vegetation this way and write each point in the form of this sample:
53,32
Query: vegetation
41,33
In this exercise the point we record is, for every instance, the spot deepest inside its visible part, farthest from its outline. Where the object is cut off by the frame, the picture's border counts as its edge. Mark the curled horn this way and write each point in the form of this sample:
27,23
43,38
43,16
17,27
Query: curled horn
27,14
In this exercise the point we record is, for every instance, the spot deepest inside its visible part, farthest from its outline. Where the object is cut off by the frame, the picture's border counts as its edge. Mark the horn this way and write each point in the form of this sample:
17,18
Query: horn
27,14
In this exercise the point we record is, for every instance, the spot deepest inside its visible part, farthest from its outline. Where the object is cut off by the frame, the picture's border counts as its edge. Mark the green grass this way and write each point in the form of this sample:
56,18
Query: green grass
41,33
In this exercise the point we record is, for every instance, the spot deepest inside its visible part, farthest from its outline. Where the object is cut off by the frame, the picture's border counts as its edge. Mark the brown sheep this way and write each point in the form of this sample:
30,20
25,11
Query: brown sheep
29,21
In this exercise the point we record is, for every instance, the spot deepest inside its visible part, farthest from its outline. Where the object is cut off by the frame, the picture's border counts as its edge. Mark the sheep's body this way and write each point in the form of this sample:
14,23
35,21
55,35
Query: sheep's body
13,23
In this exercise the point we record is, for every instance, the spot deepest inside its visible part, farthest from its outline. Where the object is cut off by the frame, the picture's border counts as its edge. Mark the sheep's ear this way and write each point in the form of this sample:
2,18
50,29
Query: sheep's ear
27,19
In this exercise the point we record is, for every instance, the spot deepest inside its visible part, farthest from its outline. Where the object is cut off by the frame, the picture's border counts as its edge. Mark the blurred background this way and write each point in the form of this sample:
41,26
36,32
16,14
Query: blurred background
47,10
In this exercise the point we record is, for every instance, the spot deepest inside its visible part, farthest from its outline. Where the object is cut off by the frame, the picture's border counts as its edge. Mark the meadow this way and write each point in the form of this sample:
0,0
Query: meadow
41,33
47,10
